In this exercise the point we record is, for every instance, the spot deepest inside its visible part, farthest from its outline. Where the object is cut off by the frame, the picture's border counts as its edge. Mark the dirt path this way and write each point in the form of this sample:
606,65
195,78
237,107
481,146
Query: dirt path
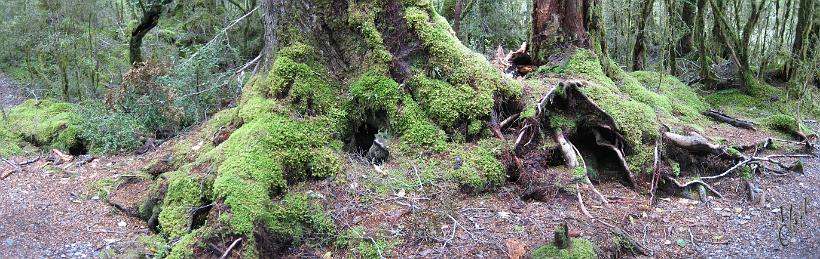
10,94
53,212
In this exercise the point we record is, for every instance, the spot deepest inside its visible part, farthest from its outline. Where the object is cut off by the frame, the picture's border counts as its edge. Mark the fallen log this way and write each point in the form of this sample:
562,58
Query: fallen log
718,116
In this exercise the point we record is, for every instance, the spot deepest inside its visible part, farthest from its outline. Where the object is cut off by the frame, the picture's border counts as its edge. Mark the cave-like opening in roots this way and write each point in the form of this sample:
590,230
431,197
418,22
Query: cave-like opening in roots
602,162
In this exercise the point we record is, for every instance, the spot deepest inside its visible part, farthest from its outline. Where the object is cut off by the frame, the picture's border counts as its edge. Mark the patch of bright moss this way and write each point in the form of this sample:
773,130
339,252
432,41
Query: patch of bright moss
261,155
46,123
732,97
296,216
185,192
375,92
461,83
414,127
781,122
579,249
481,169
301,80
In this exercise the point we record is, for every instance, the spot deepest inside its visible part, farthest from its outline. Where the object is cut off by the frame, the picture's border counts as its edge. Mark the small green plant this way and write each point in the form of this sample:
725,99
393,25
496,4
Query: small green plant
107,132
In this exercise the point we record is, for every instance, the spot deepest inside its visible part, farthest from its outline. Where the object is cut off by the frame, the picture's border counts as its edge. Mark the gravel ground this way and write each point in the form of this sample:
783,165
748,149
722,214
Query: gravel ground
56,213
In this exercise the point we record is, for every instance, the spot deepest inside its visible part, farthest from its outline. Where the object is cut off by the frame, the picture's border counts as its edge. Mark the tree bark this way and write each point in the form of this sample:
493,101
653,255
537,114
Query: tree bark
688,15
639,49
803,29
556,25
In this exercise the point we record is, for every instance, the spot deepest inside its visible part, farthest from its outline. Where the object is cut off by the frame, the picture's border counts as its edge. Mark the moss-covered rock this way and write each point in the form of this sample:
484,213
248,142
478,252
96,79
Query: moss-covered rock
578,249
45,123
185,192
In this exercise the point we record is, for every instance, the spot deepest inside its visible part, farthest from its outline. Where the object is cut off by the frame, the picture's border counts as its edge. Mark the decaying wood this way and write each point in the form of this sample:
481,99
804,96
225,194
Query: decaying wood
507,121
566,149
718,116
693,142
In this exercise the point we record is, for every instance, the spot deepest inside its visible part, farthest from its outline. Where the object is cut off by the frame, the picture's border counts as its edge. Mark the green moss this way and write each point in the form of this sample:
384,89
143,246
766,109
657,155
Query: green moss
781,122
637,121
675,167
760,89
733,152
559,121
481,168
414,127
362,16
46,123
665,93
732,97
185,192
745,172
460,84
528,112
579,249
302,81
183,248
296,217
375,92
9,143
261,155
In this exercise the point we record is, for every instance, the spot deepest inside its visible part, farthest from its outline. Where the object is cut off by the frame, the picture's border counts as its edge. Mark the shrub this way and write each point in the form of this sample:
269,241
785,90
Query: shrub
106,131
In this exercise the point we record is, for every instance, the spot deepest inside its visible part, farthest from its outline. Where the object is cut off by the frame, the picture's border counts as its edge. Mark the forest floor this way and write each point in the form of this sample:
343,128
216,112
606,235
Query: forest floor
57,211
60,211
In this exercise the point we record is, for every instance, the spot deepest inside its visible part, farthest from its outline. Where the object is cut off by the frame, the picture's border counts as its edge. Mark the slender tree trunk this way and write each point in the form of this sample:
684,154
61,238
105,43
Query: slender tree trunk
670,11
700,36
639,50
803,29
688,14
457,16
150,19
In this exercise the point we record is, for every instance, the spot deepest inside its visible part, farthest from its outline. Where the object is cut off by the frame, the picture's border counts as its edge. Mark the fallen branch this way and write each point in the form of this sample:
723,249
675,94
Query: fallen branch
718,116
228,251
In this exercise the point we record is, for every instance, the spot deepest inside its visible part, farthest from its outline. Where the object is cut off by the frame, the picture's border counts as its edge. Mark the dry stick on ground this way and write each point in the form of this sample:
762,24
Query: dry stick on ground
581,201
718,116
770,159
655,173
508,120
228,251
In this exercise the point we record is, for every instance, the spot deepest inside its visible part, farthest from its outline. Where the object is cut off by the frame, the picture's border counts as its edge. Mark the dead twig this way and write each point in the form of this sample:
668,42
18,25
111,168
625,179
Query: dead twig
693,182
581,202
228,251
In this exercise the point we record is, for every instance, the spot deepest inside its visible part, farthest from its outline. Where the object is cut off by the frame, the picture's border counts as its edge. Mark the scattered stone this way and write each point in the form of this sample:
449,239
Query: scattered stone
122,224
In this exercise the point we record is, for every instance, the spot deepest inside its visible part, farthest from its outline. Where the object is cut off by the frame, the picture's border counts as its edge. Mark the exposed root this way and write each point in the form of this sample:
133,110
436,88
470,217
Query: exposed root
567,149
581,201
693,183
694,142
230,248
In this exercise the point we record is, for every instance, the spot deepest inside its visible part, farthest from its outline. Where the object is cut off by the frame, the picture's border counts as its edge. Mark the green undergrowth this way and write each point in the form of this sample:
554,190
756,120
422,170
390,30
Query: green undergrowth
360,244
579,249
480,168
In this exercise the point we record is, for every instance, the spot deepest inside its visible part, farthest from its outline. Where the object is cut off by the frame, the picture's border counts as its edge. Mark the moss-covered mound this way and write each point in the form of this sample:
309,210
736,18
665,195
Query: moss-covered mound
294,122
638,103
45,123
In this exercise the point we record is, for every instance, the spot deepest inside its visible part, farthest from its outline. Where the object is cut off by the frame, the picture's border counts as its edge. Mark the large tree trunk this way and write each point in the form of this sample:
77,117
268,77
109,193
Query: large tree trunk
556,25
639,49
